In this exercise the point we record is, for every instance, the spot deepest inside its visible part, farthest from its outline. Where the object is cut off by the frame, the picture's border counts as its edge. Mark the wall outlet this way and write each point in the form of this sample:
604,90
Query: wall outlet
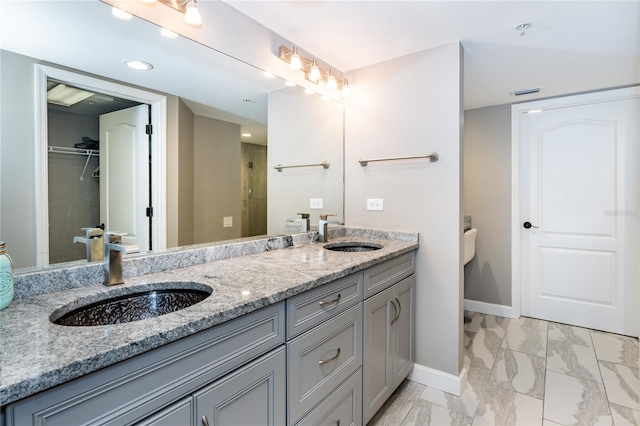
315,203
227,222
375,204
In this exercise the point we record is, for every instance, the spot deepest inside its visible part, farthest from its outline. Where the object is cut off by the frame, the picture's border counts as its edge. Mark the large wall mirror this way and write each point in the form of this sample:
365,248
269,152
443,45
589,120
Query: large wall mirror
219,126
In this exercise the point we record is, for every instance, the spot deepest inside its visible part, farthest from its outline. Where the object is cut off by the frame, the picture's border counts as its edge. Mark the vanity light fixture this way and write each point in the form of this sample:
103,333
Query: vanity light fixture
295,63
192,15
313,71
332,84
121,14
314,74
137,64
346,90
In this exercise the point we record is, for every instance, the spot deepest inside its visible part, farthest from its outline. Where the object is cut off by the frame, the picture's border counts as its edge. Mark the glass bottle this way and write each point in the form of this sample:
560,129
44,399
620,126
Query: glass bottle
6,277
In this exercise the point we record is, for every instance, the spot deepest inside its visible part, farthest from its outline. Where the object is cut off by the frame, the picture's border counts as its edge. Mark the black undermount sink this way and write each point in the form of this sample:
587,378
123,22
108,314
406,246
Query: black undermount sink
353,246
131,307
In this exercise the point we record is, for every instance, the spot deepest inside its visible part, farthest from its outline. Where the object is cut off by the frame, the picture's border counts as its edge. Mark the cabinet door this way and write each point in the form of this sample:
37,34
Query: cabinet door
177,414
403,329
252,395
377,352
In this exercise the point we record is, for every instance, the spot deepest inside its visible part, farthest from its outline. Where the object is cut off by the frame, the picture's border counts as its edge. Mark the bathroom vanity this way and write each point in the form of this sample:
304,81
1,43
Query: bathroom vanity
296,335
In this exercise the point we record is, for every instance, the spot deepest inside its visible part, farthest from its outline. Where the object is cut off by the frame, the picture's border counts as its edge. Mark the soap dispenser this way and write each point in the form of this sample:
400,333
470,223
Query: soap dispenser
6,277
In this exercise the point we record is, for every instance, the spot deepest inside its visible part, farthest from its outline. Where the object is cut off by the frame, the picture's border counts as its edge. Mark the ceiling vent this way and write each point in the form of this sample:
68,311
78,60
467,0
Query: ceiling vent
526,91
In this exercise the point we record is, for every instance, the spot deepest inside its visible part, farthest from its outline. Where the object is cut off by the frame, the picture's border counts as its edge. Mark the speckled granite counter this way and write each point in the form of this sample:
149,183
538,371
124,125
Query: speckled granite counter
36,354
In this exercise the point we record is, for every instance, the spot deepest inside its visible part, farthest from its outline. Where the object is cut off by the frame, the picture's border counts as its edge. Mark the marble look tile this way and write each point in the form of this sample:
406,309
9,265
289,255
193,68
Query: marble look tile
496,324
615,348
520,372
569,400
501,406
622,384
572,359
530,322
423,414
624,416
569,333
398,405
482,348
526,339
468,401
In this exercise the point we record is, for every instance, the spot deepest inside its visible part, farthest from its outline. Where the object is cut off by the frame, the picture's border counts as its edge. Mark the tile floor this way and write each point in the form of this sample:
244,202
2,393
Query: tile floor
529,372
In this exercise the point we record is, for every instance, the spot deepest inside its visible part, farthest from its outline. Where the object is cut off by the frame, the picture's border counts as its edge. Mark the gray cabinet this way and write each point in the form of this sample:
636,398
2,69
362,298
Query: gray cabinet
252,395
388,350
132,390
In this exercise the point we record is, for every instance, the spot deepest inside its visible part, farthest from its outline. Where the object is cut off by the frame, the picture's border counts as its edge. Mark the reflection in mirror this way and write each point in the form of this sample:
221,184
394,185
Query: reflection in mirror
207,180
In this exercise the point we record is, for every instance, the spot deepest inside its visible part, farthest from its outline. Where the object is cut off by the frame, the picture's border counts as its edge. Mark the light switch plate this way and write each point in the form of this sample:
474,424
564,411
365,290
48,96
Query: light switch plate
375,204
227,222
315,203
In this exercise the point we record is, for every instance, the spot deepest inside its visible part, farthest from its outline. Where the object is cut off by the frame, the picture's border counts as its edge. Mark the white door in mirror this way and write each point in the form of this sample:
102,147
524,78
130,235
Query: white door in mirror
124,174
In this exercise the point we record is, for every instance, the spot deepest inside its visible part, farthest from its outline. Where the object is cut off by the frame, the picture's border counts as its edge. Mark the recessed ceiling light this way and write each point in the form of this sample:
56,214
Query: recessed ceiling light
308,92
325,98
121,14
137,64
268,74
289,83
247,135
168,33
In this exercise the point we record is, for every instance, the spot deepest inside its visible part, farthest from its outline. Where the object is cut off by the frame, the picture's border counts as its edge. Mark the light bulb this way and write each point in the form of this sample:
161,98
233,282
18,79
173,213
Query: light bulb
295,63
192,15
346,90
314,74
332,84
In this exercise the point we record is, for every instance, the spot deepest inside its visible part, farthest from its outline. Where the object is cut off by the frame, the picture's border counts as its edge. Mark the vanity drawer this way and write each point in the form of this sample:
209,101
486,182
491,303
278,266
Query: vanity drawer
321,359
386,274
343,407
313,307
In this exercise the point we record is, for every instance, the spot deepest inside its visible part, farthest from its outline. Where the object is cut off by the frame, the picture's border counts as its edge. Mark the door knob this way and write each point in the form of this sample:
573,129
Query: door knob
528,225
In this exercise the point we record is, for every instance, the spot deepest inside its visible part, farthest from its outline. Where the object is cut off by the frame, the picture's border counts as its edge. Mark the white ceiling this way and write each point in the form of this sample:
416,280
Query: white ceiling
572,46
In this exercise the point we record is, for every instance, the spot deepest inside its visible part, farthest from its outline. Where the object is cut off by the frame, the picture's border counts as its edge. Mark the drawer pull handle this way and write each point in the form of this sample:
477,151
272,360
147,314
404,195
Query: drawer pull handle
205,421
330,302
324,361
395,311
399,309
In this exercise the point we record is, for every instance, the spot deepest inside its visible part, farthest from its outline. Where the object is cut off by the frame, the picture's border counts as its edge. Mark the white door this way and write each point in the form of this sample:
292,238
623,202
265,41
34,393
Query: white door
124,174
579,191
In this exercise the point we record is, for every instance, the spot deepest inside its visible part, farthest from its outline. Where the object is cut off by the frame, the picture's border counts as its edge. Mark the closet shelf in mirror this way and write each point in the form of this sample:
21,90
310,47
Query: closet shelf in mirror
73,151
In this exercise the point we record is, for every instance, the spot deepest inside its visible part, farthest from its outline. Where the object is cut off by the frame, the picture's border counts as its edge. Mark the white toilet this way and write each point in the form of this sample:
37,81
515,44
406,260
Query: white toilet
470,244
469,253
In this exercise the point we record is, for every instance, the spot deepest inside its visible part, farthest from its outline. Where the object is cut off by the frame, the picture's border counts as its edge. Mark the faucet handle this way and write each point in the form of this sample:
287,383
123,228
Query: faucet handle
114,236
304,215
325,216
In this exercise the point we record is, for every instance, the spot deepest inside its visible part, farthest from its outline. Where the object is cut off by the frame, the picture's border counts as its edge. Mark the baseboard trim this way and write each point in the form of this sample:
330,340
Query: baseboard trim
489,308
440,380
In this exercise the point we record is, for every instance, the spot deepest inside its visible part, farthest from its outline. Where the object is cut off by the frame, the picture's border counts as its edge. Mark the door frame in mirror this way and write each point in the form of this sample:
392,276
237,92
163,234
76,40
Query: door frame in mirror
158,155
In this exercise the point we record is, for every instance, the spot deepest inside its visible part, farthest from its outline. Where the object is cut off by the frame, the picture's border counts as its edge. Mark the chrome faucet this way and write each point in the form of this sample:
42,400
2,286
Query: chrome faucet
323,229
113,249
94,242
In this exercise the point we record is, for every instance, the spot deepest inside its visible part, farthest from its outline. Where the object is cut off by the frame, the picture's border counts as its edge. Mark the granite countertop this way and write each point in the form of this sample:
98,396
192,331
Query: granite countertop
36,354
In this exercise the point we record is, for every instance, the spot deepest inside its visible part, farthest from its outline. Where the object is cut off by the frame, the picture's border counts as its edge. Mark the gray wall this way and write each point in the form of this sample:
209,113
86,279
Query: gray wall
409,106
487,198
17,158
302,129
185,174
216,184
